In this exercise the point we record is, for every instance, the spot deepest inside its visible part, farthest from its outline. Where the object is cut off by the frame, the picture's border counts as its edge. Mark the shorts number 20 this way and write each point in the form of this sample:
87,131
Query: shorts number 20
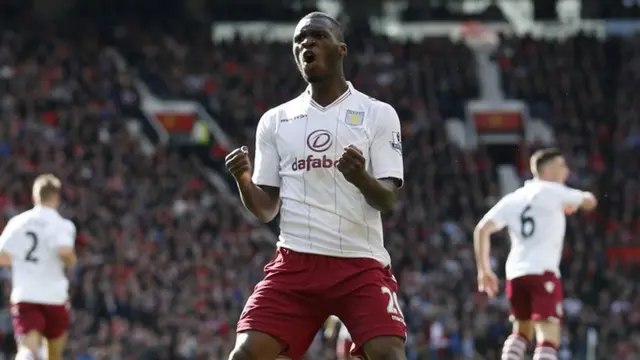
393,306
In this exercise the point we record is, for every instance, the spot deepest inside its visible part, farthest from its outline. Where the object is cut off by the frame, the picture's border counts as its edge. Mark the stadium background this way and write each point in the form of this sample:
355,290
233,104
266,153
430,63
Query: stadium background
134,103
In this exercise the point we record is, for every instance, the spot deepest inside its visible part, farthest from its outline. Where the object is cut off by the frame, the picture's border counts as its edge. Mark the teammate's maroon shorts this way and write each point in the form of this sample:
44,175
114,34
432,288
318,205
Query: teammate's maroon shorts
535,297
52,321
300,291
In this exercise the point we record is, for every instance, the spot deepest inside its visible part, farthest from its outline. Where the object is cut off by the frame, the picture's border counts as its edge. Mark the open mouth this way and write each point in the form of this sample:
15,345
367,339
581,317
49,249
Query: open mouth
308,57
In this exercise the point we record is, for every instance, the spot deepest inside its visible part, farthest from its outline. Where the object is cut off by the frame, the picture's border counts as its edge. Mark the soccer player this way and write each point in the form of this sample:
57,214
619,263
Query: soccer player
535,216
343,338
38,244
330,161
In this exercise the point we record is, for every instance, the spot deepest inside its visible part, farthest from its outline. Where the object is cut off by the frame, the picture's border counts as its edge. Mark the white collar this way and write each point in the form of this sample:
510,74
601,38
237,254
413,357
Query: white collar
350,90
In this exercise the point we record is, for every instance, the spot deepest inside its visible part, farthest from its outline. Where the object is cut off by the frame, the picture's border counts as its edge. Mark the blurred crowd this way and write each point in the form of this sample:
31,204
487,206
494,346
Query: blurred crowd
166,262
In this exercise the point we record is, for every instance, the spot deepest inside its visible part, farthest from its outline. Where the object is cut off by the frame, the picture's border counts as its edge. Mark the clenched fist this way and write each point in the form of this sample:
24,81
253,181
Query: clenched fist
239,164
352,164
488,283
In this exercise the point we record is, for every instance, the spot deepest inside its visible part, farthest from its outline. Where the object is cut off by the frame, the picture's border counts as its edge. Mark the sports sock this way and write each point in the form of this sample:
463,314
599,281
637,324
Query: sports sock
25,354
514,347
545,351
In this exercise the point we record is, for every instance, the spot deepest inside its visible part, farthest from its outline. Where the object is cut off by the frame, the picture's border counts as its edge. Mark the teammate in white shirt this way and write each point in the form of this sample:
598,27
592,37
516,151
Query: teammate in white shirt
38,244
535,216
334,328
330,160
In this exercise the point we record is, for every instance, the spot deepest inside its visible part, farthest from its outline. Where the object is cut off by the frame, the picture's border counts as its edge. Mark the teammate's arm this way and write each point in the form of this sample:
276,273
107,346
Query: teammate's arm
492,222
380,187
574,199
5,245
65,244
260,195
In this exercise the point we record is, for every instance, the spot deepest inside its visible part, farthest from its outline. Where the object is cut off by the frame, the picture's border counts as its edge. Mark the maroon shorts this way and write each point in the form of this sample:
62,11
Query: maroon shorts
300,291
535,297
52,321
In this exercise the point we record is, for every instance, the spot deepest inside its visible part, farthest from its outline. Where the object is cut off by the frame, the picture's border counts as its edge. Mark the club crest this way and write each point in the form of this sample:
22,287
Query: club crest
354,118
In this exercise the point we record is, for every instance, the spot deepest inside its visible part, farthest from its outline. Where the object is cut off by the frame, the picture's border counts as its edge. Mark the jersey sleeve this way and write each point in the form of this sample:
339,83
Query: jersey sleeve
570,196
386,145
266,169
497,214
66,235
7,242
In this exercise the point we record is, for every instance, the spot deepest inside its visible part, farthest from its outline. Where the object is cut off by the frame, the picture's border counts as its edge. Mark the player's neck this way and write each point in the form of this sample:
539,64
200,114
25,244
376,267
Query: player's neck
326,92
541,178
47,205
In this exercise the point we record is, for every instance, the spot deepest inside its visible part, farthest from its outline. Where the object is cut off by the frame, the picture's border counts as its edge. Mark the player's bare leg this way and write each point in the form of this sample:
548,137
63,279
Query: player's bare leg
547,338
55,347
254,345
515,346
385,348
28,346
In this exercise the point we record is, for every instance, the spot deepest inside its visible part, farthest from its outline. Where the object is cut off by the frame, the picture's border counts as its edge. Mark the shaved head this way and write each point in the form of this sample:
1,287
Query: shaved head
335,27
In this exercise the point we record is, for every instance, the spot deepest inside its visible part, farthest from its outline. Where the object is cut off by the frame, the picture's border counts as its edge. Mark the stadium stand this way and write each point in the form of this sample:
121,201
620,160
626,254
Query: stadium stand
166,261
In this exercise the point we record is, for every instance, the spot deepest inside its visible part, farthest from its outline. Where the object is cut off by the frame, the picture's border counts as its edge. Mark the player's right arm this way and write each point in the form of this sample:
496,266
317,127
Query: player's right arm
493,221
65,239
260,194
574,199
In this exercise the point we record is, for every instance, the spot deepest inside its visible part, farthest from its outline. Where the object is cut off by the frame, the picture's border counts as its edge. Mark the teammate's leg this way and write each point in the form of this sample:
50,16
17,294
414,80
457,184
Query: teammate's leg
516,344
57,323
547,316
55,347
28,325
519,295
368,306
547,340
28,345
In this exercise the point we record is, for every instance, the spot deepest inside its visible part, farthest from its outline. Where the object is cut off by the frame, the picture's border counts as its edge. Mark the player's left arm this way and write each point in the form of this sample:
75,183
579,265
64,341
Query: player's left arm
65,243
381,186
6,244
493,221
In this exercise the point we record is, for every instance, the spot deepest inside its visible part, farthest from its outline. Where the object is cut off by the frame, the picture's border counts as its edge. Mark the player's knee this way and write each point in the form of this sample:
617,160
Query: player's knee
29,342
246,353
256,346
54,355
548,331
523,328
385,348
242,353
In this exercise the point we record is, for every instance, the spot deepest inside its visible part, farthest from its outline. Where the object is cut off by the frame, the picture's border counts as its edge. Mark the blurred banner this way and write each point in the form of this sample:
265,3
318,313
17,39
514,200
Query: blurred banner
179,120
624,253
497,122
622,27
176,123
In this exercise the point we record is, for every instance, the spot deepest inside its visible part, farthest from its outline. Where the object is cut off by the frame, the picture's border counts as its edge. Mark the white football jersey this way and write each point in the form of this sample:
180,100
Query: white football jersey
297,145
32,238
534,215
